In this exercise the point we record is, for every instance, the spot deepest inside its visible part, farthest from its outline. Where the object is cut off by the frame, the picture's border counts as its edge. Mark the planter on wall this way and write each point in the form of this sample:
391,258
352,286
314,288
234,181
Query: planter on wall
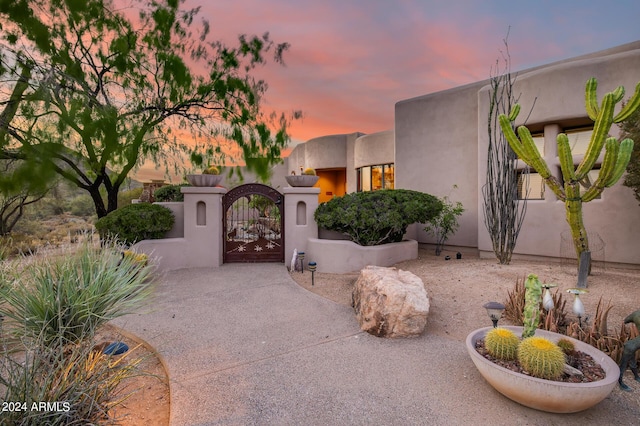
546,395
301,180
204,180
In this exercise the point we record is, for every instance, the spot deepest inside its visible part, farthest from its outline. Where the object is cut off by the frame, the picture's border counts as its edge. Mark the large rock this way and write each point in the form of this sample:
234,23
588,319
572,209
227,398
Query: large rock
390,302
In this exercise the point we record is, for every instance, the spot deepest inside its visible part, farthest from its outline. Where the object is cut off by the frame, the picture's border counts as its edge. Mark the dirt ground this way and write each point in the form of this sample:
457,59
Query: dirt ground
148,403
457,289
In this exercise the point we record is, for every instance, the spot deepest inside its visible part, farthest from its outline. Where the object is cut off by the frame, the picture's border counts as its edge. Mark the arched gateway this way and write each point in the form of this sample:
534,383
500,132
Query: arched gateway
253,224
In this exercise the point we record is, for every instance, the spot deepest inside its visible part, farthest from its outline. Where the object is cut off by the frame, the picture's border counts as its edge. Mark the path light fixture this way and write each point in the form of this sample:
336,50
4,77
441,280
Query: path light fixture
312,268
578,306
547,299
301,258
494,310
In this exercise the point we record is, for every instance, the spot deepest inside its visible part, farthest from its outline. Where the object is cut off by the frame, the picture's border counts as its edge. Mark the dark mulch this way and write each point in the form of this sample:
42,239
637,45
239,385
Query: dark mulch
585,363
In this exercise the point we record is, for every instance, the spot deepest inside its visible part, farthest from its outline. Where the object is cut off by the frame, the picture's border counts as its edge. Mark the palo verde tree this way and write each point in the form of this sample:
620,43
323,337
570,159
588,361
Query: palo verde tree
615,161
503,212
91,91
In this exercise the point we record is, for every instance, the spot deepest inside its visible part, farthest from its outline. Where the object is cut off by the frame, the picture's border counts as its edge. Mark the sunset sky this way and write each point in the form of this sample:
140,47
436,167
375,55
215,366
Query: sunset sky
350,61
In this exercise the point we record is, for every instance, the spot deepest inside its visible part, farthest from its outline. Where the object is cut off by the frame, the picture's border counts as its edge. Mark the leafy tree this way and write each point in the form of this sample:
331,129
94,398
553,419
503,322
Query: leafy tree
91,91
16,192
631,129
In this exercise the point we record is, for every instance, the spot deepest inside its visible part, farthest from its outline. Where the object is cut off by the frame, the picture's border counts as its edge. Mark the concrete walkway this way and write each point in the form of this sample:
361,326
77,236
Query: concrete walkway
245,345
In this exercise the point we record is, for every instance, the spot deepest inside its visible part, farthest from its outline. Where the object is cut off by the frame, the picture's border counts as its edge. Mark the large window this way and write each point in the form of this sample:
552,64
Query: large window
372,178
530,186
579,139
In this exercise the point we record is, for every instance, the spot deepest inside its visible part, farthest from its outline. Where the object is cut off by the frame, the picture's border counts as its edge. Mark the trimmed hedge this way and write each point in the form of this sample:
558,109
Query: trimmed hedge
136,222
169,193
377,217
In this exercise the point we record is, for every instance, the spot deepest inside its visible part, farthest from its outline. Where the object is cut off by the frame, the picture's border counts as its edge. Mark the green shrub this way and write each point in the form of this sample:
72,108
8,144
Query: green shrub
125,197
377,217
64,299
136,222
169,193
52,309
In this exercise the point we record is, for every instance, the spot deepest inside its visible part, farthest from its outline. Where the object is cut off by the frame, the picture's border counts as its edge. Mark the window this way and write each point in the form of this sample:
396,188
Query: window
530,186
373,178
538,140
579,139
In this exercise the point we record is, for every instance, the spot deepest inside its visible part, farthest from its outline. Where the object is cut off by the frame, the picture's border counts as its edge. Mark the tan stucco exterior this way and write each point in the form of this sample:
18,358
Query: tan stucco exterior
440,140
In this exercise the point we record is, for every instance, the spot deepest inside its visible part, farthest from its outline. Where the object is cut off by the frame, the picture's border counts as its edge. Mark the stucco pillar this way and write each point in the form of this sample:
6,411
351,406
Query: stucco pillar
299,205
203,225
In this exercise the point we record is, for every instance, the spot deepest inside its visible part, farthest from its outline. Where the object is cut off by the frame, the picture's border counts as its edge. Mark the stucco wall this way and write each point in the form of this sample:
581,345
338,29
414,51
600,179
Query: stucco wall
558,92
374,149
436,146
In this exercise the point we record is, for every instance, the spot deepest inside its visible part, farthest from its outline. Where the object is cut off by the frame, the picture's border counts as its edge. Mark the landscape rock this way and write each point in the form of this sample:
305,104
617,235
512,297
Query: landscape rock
390,302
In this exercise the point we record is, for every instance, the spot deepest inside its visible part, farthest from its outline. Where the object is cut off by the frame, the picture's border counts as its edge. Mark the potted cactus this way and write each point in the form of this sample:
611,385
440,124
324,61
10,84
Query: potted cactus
307,178
541,356
209,177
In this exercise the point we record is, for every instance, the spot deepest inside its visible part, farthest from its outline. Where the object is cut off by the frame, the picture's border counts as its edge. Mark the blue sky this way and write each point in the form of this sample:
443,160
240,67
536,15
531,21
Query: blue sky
350,61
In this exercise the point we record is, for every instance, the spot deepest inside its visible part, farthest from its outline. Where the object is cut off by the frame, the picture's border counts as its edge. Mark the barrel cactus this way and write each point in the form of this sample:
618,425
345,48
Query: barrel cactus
309,172
211,170
541,358
502,343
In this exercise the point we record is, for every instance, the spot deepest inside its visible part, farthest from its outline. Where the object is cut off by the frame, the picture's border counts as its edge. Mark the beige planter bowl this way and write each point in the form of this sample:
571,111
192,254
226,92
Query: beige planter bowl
546,395
204,180
301,180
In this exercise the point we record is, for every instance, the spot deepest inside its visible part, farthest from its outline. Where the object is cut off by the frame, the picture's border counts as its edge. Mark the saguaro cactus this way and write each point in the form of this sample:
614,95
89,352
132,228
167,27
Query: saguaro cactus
615,161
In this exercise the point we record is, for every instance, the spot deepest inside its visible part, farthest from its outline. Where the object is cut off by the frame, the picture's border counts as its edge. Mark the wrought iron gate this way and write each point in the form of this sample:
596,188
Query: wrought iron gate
253,224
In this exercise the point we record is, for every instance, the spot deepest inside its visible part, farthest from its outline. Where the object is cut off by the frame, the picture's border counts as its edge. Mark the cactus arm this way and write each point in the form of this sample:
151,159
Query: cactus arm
514,142
606,170
514,112
600,131
532,155
618,94
624,155
531,313
630,107
566,159
591,100
534,159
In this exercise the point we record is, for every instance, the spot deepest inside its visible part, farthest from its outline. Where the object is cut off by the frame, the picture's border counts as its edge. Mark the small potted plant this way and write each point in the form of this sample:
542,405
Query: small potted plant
541,356
306,178
209,177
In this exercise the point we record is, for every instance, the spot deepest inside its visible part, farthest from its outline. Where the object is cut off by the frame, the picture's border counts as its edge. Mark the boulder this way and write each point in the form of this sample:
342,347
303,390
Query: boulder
390,302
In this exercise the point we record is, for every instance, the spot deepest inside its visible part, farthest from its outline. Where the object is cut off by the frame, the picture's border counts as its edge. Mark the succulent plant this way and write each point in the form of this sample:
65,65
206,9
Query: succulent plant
532,296
614,163
502,343
309,171
566,345
541,358
211,170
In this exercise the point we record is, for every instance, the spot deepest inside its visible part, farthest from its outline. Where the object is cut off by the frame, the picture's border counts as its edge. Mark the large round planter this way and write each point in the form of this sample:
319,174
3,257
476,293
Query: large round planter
204,180
301,180
546,395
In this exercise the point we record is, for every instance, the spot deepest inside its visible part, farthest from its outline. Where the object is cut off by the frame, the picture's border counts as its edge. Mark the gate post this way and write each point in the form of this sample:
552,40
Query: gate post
299,205
203,224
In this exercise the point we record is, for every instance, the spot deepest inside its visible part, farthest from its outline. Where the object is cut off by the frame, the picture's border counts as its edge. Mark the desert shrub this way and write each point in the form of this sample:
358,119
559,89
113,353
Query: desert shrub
82,206
64,299
169,193
125,197
81,381
377,217
136,222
